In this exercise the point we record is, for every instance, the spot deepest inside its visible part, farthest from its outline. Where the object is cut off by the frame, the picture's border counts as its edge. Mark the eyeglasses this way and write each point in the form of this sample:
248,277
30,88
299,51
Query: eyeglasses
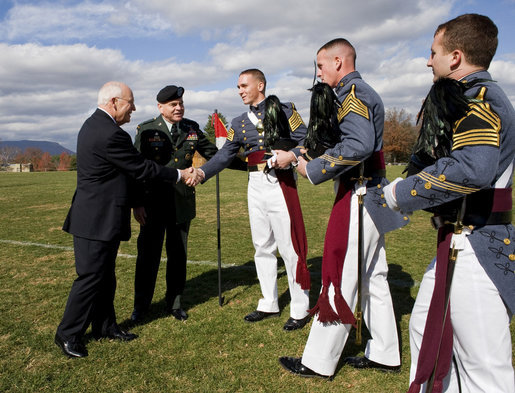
131,102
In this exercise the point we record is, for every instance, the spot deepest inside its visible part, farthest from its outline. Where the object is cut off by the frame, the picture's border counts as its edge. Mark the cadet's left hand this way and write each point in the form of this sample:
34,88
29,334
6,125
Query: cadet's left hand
284,159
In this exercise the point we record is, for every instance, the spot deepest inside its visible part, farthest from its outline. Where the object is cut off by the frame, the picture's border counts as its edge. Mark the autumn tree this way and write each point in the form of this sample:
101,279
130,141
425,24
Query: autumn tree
31,155
45,163
64,162
399,135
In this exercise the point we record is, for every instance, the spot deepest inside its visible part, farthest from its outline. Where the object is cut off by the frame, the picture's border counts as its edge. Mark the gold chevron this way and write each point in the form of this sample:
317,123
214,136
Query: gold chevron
295,120
230,134
487,134
352,104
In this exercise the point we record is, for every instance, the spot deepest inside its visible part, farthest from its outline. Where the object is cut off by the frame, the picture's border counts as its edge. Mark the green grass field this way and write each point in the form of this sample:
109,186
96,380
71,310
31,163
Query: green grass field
214,350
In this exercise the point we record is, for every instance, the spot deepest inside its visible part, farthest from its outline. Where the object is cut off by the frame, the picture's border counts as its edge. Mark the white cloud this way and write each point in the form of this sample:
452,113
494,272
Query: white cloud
55,55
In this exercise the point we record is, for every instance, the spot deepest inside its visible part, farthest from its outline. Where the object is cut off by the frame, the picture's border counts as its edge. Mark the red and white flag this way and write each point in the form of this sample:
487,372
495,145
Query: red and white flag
220,130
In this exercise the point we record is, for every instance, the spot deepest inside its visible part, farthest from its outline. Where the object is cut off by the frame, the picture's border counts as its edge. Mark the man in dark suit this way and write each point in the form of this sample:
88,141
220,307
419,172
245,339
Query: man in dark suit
99,217
160,214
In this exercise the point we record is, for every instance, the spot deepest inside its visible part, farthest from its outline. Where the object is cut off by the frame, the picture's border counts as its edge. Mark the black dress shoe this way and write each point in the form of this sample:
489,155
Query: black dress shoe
362,362
255,316
116,334
179,314
294,324
72,349
137,316
295,366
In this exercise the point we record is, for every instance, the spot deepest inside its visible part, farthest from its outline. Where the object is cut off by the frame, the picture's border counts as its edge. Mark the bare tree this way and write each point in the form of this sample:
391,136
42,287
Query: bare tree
7,154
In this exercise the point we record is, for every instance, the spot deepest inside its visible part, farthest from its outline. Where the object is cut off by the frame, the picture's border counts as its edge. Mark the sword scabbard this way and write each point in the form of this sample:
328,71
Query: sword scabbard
359,324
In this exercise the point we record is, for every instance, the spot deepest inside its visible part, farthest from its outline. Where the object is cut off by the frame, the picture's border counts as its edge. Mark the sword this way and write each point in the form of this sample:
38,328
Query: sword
359,313
453,256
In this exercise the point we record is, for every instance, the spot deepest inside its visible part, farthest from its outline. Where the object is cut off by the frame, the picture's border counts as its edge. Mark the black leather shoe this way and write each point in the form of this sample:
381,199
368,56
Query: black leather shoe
363,362
116,334
294,324
255,316
295,366
71,349
137,316
179,314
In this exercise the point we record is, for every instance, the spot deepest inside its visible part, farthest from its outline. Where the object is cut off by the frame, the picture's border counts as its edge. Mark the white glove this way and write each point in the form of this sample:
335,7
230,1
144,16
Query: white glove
389,194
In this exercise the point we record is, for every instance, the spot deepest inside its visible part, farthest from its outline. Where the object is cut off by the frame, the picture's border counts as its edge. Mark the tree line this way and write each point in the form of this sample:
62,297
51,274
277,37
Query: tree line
41,161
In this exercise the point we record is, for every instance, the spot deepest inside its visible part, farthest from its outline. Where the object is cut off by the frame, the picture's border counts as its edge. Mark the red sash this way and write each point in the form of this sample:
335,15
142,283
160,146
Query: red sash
335,250
297,229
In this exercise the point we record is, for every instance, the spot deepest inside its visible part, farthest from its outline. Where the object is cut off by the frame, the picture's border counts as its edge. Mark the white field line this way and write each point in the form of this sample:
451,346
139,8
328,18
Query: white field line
393,282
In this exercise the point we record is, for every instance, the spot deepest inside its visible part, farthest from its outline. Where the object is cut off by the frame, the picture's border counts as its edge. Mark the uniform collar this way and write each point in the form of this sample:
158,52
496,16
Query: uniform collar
482,74
346,79
169,125
258,108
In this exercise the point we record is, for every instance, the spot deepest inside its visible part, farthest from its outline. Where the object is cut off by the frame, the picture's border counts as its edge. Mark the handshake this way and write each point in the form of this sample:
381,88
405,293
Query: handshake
192,176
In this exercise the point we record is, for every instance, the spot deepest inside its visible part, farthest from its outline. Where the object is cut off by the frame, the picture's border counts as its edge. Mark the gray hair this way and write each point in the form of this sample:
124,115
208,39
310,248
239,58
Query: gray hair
108,91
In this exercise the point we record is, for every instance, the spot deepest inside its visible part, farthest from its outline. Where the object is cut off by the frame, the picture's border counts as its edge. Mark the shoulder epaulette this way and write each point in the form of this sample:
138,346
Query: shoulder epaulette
351,103
146,122
480,126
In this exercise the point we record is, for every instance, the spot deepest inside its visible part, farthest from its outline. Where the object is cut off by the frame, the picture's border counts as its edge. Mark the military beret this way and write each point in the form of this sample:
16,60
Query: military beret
169,93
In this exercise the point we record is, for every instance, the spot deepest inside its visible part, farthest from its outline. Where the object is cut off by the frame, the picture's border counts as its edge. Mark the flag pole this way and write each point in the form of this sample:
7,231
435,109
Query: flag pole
218,238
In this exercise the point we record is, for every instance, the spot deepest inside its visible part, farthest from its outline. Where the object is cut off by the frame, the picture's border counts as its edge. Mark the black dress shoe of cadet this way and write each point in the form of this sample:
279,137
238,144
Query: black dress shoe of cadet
294,366
256,316
294,324
72,349
179,314
116,334
362,363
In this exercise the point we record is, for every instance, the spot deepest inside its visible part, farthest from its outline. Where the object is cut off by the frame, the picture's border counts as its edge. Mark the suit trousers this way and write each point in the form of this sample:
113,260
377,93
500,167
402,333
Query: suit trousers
326,341
270,228
91,298
159,222
480,320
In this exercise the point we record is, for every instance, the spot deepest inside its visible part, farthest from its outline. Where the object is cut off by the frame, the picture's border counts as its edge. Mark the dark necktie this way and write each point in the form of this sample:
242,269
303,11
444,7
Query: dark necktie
175,133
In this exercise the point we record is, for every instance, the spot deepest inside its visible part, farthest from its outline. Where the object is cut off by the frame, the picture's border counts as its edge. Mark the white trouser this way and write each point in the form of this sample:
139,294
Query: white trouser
481,325
326,341
270,227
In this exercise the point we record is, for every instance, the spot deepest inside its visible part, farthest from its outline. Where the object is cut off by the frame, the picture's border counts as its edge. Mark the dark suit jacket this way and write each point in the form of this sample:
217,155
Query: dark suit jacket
106,163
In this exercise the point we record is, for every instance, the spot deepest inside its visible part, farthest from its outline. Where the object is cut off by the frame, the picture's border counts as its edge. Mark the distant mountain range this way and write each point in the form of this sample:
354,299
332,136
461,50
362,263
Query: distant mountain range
53,148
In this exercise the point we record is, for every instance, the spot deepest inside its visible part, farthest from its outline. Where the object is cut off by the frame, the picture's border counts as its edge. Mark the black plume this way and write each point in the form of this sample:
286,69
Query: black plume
275,123
323,129
445,104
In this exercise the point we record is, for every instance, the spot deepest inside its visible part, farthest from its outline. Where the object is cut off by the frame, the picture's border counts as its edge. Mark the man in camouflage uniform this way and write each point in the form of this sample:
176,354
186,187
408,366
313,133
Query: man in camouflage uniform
167,209
469,191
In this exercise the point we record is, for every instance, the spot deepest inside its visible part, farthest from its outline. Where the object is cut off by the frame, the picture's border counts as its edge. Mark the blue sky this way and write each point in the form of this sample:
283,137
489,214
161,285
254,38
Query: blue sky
56,54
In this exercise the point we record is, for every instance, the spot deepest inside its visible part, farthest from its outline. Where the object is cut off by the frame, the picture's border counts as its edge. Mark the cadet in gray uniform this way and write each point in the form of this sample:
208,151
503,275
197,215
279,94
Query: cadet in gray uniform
468,188
268,212
358,152
167,209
